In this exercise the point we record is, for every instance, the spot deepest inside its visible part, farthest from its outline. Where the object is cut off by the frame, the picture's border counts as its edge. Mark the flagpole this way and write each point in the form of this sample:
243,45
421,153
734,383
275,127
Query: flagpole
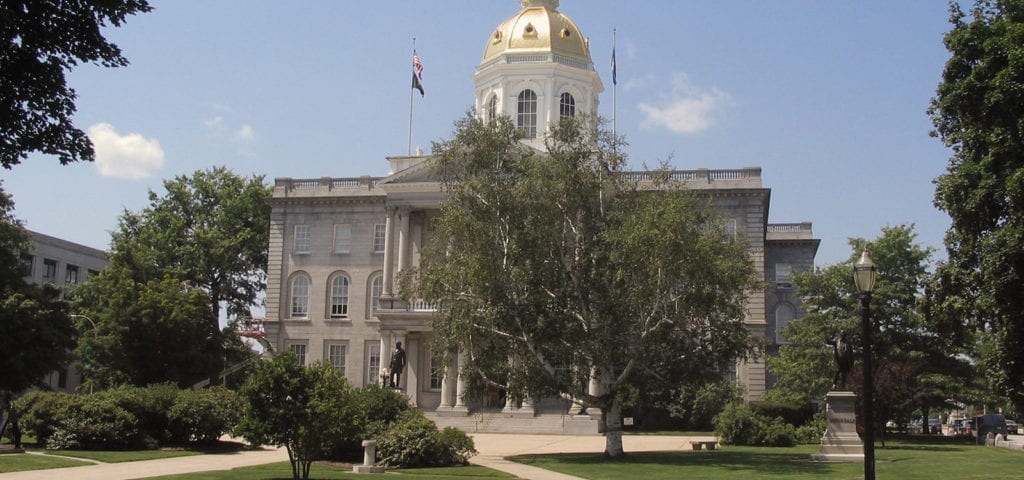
409,152
615,87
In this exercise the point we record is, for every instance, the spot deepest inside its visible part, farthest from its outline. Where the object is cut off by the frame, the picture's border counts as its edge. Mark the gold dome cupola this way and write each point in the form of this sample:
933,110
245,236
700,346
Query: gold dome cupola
537,68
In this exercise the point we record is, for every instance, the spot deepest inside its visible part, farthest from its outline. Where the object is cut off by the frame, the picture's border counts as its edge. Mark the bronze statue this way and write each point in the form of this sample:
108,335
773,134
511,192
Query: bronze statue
397,365
842,353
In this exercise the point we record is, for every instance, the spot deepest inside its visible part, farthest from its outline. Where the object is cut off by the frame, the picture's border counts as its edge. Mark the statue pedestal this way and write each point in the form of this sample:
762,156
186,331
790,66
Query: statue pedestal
840,442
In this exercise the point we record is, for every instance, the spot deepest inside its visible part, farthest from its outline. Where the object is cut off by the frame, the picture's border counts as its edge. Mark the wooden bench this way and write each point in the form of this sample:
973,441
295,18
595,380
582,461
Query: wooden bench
698,445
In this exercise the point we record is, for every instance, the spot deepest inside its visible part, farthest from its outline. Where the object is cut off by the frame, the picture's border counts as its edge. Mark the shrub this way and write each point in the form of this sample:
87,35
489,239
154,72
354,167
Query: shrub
96,424
373,410
414,441
40,411
203,416
811,432
697,407
738,424
793,415
150,405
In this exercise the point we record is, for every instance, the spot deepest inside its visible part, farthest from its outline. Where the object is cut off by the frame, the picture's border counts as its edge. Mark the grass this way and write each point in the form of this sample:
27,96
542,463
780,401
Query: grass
122,456
902,459
283,470
20,462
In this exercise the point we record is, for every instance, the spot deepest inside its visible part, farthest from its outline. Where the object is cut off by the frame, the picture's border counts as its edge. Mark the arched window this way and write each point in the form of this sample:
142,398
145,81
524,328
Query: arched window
783,314
567,106
526,118
300,296
339,297
492,108
376,289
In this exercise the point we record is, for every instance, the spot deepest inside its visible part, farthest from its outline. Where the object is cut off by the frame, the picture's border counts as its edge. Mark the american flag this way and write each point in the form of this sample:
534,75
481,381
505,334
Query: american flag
417,65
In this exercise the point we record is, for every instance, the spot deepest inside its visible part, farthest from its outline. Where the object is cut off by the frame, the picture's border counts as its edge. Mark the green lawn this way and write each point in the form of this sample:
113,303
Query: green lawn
900,460
19,462
283,470
122,456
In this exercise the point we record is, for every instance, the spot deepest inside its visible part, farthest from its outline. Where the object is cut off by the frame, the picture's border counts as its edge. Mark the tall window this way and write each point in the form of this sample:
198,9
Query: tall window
379,236
71,274
492,108
782,273
300,296
730,229
336,355
567,106
526,118
27,262
373,363
303,237
49,270
299,349
783,315
342,238
339,297
436,372
376,289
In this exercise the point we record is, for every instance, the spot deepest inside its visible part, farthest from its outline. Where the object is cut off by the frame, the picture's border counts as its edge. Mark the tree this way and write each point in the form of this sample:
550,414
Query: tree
551,268
36,334
299,408
42,40
173,267
977,112
913,355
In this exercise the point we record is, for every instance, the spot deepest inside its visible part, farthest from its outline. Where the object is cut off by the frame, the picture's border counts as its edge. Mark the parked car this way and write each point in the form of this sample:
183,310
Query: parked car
934,425
1011,426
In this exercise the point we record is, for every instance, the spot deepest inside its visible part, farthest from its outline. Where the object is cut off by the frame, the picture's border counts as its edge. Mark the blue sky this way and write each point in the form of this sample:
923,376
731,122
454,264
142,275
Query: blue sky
828,97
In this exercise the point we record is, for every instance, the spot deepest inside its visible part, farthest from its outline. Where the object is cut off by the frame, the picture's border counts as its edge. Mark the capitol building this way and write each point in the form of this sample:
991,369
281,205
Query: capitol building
339,244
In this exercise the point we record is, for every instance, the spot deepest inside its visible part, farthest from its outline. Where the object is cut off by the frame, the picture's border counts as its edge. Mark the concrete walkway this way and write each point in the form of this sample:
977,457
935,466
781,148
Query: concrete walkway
493,449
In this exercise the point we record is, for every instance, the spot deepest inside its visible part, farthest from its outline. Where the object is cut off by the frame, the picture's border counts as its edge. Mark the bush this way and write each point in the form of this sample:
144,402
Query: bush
40,411
373,410
414,441
96,424
738,424
793,415
697,407
150,405
203,416
811,432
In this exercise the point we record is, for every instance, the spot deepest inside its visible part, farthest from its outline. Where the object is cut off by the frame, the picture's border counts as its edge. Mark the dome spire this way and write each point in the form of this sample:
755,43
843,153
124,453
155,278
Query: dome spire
549,4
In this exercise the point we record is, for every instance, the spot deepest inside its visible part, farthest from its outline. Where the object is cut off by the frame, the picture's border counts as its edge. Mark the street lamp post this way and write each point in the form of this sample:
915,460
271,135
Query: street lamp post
864,276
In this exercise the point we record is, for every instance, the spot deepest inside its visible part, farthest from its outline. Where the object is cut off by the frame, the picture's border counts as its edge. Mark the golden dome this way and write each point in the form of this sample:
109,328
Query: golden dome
539,29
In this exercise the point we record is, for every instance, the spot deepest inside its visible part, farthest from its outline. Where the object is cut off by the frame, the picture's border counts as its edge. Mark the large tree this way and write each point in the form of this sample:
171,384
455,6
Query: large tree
916,362
978,112
551,268
36,334
200,248
42,40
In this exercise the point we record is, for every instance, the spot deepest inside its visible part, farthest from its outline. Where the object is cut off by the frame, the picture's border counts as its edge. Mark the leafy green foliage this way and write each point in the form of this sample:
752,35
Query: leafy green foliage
304,409
916,359
36,334
202,416
414,441
372,410
42,40
977,113
149,417
557,261
738,424
173,266
697,406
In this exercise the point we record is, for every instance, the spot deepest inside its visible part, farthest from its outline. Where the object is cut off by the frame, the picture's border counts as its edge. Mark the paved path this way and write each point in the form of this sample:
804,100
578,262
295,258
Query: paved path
493,449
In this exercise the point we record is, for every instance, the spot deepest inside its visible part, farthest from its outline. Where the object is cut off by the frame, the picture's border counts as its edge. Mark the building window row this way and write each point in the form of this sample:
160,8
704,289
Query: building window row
338,295
342,239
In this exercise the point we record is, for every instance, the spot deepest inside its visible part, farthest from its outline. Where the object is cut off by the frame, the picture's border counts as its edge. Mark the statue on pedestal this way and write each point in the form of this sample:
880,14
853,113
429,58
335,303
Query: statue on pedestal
397,365
842,354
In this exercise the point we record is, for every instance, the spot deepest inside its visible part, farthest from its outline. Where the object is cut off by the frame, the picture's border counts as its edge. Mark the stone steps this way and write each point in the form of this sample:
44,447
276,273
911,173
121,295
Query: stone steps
498,422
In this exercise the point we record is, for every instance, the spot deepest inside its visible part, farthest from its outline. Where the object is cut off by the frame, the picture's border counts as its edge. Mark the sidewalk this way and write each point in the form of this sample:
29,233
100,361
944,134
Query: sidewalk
493,448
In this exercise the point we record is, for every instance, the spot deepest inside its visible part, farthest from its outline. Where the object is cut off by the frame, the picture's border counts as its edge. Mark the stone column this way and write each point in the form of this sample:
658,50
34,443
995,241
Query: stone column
446,388
385,355
510,404
526,409
389,254
460,388
412,370
403,239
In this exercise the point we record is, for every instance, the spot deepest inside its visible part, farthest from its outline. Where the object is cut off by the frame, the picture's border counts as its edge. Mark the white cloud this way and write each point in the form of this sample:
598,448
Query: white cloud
130,156
245,133
688,110
214,124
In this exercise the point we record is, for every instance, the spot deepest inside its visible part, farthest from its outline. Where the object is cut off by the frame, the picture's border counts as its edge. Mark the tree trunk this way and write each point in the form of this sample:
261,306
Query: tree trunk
613,430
